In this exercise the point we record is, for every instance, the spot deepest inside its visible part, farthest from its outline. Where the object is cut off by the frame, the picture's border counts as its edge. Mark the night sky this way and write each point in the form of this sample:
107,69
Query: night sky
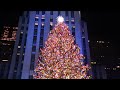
103,25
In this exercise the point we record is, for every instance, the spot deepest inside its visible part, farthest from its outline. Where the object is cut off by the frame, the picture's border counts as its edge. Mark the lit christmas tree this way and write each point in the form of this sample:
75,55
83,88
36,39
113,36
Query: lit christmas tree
60,58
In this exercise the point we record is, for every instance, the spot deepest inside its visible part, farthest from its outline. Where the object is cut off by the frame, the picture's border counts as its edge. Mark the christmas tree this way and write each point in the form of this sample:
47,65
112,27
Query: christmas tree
60,58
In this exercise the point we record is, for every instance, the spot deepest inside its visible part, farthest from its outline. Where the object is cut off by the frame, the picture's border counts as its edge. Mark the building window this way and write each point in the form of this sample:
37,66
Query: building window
34,39
20,39
36,19
37,12
67,21
23,20
41,40
51,23
41,46
73,31
66,13
72,21
36,26
51,19
58,13
25,40
51,12
42,32
33,48
43,12
35,32
42,20
27,14
27,20
51,27
32,62
22,28
19,46
26,28
72,14
42,26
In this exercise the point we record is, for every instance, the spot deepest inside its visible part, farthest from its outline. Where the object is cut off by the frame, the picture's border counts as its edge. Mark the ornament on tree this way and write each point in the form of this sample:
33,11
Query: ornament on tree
61,59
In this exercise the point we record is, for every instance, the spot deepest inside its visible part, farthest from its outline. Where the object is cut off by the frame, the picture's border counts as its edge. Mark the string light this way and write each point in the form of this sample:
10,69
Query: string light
61,59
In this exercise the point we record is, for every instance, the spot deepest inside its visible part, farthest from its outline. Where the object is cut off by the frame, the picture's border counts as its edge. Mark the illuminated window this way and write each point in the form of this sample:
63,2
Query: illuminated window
21,32
72,20
4,60
102,41
36,23
43,16
67,21
18,46
36,18
36,26
93,62
51,23
118,66
83,36
114,68
18,53
73,26
42,24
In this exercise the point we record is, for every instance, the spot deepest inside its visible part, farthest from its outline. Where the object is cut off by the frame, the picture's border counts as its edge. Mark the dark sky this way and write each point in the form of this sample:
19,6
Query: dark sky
103,24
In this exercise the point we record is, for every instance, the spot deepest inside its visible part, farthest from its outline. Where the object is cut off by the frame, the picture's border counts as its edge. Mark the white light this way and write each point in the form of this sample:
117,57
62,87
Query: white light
18,46
4,60
60,19
118,66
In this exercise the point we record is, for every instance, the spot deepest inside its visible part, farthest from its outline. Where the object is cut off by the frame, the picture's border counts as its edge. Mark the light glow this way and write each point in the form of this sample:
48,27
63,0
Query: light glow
60,19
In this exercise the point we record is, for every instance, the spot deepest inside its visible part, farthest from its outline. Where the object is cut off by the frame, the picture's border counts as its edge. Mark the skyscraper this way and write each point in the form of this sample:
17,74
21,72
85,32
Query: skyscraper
7,41
34,27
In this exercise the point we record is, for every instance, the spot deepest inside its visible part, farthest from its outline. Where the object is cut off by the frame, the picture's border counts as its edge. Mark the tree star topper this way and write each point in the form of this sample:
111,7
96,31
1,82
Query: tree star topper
60,19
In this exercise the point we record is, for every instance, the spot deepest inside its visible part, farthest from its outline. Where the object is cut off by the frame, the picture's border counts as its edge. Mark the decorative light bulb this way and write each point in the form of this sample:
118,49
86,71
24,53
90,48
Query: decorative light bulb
60,19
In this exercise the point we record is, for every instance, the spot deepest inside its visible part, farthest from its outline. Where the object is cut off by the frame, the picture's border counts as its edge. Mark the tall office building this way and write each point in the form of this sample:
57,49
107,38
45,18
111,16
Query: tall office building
34,27
102,56
7,41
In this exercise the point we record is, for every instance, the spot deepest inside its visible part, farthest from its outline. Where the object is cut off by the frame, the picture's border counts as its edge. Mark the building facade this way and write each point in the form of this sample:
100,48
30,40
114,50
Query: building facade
102,56
7,41
33,30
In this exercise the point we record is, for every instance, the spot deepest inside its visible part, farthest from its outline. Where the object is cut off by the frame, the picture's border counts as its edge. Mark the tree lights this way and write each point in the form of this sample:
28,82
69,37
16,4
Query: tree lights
60,58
